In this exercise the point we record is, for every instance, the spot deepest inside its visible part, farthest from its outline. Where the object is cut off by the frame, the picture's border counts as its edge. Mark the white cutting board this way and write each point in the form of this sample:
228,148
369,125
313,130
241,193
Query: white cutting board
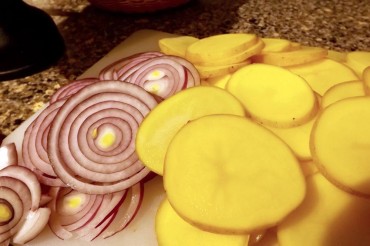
141,230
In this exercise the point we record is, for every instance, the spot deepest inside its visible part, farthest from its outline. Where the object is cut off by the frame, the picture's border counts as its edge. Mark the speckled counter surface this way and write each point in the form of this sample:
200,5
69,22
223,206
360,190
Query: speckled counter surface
90,33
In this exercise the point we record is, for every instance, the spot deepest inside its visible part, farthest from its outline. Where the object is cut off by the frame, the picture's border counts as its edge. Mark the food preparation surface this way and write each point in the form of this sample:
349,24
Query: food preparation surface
91,33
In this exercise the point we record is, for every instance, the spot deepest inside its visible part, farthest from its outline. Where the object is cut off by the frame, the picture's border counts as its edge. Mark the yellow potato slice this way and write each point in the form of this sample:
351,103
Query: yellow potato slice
337,56
275,45
291,58
341,91
238,58
366,80
273,95
327,216
172,230
219,81
323,74
309,167
177,45
297,138
218,47
227,174
207,72
295,46
358,61
340,144
162,123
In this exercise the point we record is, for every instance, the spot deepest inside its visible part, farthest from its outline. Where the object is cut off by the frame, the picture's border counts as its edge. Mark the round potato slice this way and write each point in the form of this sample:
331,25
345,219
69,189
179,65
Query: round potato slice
208,72
238,58
340,144
228,174
291,58
275,45
323,74
358,61
341,91
328,216
172,230
366,80
218,47
162,123
176,46
273,95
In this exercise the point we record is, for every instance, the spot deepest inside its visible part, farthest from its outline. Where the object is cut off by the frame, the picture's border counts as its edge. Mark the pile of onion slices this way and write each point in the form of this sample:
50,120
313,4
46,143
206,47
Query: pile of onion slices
22,216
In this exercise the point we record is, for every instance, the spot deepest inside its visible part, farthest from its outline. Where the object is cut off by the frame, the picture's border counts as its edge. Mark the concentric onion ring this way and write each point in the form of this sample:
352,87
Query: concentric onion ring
115,70
34,151
20,195
71,88
8,155
161,75
97,106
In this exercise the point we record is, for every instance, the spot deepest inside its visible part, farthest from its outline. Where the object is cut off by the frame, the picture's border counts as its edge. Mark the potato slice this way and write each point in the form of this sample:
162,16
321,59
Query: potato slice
172,230
337,56
176,45
309,167
162,123
341,91
238,58
275,45
366,80
358,61
207,72
273,95
228,174
219,81
291,58
218,47
327,216
340,144
297,138
323,74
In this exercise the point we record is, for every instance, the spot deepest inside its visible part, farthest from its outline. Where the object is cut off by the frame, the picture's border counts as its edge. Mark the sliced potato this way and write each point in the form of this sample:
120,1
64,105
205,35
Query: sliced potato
176,45
297,138
227,174
162,123
208,72
172,230
291,58
327,216
366,80
340,144
358,61
324,73
218,47
341,91
275,45
238,58
309,167
273,95
337,56
219,81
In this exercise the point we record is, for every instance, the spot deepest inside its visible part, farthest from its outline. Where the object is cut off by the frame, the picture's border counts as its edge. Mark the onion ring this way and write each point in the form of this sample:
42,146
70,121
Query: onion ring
8,155
71,88
161,75
34,151
66,147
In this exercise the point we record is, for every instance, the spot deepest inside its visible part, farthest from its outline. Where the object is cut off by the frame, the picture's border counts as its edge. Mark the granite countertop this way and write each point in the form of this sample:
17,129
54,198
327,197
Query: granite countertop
90,33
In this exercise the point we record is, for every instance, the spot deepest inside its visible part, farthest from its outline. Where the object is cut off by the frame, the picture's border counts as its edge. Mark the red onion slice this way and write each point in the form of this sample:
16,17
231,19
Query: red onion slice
8,155
64,133
162,75
137,192
28,178
71,88
117,68
34,224
34,153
